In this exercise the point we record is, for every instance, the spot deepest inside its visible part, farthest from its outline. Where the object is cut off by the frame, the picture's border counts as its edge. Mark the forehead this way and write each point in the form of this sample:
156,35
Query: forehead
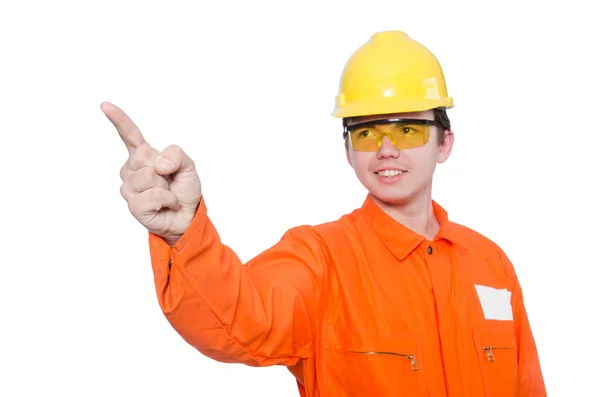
425,115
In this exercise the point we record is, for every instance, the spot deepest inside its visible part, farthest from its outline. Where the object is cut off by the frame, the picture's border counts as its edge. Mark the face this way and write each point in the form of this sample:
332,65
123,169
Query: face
417,165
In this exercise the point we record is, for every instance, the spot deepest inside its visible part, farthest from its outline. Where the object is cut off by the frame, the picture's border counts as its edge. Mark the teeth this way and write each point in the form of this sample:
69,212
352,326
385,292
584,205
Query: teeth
389,172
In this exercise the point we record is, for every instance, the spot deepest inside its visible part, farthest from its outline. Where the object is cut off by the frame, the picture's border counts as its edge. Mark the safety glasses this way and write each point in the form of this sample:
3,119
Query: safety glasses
403,133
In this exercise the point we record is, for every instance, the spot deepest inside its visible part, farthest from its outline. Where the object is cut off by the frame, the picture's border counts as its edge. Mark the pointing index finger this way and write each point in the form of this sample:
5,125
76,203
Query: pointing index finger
129,132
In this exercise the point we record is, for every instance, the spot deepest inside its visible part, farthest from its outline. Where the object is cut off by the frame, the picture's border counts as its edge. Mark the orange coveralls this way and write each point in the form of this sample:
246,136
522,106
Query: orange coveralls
361,306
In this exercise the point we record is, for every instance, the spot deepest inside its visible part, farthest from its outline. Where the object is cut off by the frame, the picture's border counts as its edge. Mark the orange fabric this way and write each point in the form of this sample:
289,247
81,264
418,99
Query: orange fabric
360,306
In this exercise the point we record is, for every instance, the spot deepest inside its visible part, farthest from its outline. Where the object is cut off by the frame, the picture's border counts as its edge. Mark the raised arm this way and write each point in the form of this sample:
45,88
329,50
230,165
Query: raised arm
258,314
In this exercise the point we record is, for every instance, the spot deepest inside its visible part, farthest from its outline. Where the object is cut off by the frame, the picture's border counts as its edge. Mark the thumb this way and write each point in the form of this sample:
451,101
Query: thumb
172,160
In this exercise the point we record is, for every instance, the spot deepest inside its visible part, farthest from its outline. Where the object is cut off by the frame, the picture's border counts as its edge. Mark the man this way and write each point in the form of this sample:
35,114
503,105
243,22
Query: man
392,299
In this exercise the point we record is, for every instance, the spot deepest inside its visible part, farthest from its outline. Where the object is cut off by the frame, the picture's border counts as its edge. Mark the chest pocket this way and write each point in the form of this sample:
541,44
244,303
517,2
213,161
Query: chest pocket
498,361
363,363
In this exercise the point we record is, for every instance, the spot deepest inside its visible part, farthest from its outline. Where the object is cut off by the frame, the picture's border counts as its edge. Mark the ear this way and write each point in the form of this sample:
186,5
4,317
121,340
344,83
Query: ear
445,147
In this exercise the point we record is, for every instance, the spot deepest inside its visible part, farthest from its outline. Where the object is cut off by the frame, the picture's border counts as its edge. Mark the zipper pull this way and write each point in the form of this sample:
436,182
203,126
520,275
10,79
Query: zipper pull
413,363
490,355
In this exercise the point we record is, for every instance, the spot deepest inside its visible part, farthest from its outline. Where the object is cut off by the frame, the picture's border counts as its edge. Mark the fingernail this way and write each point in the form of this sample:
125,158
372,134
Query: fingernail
164,164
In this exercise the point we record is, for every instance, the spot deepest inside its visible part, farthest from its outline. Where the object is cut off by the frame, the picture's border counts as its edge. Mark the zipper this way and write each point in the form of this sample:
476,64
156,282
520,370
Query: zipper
490,354
411,358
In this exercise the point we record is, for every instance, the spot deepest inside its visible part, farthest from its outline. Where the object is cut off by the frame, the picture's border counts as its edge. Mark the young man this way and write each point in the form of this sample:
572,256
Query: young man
392,299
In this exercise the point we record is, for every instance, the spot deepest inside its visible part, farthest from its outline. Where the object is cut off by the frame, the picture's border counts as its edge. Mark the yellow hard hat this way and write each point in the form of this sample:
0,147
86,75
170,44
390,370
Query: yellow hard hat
391,73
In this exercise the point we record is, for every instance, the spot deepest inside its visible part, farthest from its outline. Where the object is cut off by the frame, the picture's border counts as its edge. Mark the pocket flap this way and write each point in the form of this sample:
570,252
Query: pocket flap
362,362
496,335
497,341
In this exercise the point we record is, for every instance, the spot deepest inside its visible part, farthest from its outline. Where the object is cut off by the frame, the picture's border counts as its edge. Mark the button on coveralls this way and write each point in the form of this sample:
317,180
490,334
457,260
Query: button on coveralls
360,306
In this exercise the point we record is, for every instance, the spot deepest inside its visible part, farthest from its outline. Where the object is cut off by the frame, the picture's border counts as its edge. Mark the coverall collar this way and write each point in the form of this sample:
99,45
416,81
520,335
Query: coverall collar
397,237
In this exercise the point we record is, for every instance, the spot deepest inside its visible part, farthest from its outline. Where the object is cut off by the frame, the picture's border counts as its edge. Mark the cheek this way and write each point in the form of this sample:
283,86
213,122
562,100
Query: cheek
361,162
423,163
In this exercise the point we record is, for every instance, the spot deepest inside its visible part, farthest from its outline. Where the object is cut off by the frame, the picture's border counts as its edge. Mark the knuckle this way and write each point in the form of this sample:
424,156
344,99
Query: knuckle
154,194
146,178
133,206
156,198
124,171
123,191
140,176
149,152
139,156
142,156
131,177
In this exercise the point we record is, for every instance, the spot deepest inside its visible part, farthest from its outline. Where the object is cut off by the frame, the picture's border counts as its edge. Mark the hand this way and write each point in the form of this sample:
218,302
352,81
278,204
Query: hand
162,189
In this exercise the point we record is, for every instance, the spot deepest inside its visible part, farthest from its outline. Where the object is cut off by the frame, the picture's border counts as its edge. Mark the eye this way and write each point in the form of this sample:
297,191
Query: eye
365,133
408,130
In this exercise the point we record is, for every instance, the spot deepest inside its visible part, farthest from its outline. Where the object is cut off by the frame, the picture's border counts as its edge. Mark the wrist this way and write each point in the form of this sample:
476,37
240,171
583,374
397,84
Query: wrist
172,240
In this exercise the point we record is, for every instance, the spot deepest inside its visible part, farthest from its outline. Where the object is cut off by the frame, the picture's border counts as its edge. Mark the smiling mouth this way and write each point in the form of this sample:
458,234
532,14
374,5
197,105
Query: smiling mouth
390,173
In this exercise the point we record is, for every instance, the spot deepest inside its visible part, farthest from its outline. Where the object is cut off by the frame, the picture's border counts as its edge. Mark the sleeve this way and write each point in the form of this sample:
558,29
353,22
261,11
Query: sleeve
531,380
258,314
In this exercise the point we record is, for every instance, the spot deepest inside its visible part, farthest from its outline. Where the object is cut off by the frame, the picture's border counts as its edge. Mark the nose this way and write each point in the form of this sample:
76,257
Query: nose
387,149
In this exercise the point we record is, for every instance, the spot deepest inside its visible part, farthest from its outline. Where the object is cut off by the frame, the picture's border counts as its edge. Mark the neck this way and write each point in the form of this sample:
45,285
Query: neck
415,213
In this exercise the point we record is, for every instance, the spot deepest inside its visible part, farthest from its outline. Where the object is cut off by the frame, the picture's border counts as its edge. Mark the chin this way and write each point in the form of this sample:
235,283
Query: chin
398,193
391,197
391,194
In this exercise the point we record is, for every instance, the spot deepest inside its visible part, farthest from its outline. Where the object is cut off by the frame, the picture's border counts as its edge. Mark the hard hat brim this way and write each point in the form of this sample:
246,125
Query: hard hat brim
389,106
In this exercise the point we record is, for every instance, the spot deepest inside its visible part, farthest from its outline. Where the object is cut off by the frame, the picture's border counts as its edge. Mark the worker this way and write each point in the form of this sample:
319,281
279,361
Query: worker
390,299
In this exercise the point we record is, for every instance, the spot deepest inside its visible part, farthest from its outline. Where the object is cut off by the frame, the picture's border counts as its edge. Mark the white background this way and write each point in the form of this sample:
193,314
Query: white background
247,89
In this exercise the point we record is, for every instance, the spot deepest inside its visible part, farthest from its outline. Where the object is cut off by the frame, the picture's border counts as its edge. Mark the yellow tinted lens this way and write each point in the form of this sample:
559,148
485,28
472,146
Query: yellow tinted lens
402,135
365,139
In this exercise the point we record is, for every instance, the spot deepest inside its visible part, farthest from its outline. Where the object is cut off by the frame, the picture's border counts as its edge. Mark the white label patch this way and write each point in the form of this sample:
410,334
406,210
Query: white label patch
495,303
